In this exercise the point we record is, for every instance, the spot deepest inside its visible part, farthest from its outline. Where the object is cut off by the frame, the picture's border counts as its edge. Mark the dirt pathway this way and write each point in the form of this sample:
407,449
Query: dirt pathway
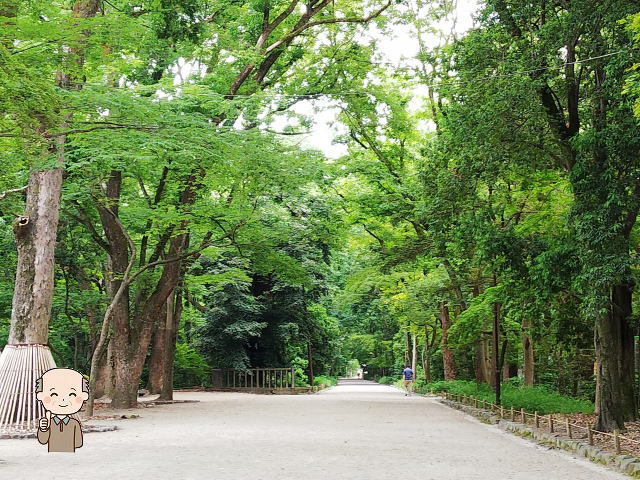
354,432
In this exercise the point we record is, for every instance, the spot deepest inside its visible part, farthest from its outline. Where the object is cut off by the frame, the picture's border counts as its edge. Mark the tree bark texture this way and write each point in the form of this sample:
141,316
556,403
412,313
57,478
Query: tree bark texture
414,353
156,363
35,236
528,354
174,313
310,359
615,362
447,354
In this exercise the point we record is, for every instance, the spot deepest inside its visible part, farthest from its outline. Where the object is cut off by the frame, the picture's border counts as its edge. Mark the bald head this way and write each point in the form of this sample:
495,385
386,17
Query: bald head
62,391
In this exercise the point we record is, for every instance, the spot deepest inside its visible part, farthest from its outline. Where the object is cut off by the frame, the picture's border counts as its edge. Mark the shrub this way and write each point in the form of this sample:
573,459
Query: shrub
325,380
300,365
531,399
190,368
386,380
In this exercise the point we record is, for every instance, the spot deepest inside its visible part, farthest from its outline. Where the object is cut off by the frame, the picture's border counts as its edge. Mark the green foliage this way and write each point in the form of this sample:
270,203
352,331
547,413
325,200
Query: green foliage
190,368
386,380
231,321
506,202
352,367
300,365
532,399
325,380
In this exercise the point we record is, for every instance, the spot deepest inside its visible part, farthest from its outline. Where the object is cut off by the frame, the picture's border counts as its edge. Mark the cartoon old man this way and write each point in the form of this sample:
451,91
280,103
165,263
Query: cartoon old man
62,392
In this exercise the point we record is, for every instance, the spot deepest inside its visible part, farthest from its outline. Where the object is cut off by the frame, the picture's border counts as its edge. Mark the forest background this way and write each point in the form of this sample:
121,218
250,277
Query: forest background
485,231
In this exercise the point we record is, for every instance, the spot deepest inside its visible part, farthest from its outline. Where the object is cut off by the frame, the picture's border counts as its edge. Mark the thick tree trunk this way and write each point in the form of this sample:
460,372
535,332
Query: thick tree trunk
481,365
101,378
614,351
447,354
174,313
26,355
120,345
509,370
126,390
527,354
477,362
130,344
35,236
157,359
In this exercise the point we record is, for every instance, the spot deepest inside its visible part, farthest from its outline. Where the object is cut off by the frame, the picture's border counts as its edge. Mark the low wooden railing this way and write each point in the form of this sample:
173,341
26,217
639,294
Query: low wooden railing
552,425
254,378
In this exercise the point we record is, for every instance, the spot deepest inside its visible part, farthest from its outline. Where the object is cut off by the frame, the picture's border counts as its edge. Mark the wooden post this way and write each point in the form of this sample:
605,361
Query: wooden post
616,440
475,402
524,416
590,435
550,423
484,404
513,414
568,425
293,377
536,419
501,411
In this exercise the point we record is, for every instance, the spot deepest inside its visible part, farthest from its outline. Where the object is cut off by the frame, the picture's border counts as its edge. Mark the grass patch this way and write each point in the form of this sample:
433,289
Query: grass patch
531,399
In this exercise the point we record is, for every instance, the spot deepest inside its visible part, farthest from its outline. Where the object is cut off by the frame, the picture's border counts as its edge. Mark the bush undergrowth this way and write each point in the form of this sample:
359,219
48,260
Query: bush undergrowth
532,399
325,380
386,380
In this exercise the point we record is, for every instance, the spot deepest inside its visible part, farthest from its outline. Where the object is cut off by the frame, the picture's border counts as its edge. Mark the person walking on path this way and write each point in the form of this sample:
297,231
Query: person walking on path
407,379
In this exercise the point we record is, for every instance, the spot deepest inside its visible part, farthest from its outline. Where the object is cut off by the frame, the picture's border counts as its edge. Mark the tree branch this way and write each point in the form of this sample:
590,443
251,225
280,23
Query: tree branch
308,25
85,220
13,190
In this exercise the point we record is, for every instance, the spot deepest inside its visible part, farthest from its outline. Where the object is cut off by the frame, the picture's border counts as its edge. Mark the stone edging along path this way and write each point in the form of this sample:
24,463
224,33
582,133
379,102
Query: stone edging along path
622,463
85,429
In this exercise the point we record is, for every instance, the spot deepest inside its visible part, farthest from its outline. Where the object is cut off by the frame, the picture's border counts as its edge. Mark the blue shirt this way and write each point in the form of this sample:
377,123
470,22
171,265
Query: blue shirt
407,373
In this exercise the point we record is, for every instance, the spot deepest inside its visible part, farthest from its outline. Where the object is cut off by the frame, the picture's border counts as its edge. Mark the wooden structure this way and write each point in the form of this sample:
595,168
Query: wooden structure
534,418
20,366
254,378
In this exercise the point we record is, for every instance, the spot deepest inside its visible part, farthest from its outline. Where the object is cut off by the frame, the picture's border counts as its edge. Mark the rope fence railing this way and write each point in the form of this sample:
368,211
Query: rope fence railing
554,425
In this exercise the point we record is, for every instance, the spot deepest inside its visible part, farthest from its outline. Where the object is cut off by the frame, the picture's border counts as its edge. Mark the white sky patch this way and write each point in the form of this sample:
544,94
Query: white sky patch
399,49
325,126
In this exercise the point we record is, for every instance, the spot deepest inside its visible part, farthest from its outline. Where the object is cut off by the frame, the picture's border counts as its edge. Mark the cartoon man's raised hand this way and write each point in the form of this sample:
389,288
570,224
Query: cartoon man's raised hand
45,421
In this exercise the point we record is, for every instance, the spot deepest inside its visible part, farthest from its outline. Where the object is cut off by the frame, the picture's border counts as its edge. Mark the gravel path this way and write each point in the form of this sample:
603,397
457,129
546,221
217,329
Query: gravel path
355,432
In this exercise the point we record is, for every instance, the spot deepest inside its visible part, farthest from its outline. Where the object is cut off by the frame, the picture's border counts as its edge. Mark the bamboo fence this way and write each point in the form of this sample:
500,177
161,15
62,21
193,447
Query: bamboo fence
553,425
254,378
20,366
